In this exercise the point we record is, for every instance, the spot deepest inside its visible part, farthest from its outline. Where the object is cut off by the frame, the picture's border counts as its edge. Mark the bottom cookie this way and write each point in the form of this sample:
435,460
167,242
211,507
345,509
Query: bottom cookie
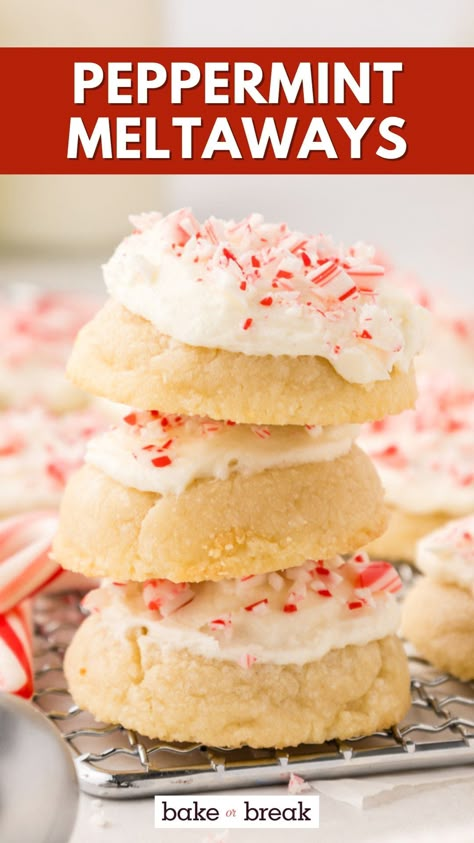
438,618
298,656
184,697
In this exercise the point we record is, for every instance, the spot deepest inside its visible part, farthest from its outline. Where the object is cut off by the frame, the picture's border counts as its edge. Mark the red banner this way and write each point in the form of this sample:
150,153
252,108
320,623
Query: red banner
179,110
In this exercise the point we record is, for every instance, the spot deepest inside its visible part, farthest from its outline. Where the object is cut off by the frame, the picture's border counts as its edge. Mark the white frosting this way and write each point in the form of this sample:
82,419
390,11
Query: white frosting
262,289
38,452
302,613
447,555
425,457
37,330
449,342
165,454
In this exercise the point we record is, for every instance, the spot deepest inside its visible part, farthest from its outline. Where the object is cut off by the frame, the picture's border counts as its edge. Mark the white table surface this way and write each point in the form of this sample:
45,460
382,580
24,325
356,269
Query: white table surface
440,812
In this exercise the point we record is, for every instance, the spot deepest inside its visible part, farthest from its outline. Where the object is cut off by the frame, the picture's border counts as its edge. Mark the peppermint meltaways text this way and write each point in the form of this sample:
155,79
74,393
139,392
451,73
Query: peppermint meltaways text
240,109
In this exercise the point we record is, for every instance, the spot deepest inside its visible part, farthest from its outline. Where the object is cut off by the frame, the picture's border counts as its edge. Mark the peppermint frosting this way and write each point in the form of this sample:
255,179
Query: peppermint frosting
290,617
447,555
262,289
37,330
165,454
38,452
425,457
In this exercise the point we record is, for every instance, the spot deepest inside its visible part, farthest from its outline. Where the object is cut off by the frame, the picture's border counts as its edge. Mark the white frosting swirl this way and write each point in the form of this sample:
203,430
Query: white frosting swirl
290,617
425,457
165,454
38,452
262,289
447,555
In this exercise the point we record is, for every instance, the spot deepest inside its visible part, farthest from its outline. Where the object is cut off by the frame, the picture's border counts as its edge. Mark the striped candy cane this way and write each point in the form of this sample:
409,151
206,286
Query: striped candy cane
16,672
25,568
25,564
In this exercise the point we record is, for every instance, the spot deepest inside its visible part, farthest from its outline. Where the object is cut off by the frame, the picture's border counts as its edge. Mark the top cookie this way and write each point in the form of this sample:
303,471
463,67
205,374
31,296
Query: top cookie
250,322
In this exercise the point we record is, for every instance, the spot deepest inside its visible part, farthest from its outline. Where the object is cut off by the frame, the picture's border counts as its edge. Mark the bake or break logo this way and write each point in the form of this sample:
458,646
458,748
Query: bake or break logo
230,811
248,110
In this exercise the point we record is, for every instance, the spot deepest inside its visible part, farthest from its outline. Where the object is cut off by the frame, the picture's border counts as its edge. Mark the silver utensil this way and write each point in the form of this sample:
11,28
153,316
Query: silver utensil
38,783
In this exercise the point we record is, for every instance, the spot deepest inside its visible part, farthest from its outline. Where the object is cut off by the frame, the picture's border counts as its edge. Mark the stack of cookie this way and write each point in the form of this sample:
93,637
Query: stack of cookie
219,507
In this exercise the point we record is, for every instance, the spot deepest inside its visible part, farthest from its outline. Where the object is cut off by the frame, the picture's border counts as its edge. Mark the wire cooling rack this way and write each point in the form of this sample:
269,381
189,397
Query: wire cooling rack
117,763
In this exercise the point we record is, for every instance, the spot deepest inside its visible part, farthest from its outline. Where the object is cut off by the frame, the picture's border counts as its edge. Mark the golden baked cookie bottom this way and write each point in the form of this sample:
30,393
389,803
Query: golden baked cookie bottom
398,542
439,621
179,696
123,357
215,529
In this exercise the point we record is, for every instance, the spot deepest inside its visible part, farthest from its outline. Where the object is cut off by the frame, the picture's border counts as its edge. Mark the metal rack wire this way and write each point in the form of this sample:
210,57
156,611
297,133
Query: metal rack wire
117,763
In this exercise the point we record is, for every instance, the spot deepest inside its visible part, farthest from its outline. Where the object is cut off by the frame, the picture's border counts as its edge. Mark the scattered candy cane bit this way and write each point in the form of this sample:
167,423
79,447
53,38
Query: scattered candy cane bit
276,581
380,576
258,608
161,462
335,281
355,604
361,558
166,597
262,432
247,660
297,784
221,623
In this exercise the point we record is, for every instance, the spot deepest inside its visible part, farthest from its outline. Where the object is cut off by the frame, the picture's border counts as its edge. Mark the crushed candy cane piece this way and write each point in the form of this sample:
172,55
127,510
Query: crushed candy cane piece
297,784
247,660
258,608
379,576
166,597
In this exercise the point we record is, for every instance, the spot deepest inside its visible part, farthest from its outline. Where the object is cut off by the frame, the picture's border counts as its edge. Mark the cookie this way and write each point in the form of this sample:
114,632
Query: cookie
425,459
250,322
295,657
219,528
438,613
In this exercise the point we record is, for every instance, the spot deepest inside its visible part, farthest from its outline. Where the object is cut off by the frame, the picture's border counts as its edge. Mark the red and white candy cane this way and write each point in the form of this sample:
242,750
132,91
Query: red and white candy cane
16,671
25,563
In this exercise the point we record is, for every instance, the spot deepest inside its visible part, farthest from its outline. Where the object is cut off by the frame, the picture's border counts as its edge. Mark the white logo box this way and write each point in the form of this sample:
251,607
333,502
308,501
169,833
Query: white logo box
237,811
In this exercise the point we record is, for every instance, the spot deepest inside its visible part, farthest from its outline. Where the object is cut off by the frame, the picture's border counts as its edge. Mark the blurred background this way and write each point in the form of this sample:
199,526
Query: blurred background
56,230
